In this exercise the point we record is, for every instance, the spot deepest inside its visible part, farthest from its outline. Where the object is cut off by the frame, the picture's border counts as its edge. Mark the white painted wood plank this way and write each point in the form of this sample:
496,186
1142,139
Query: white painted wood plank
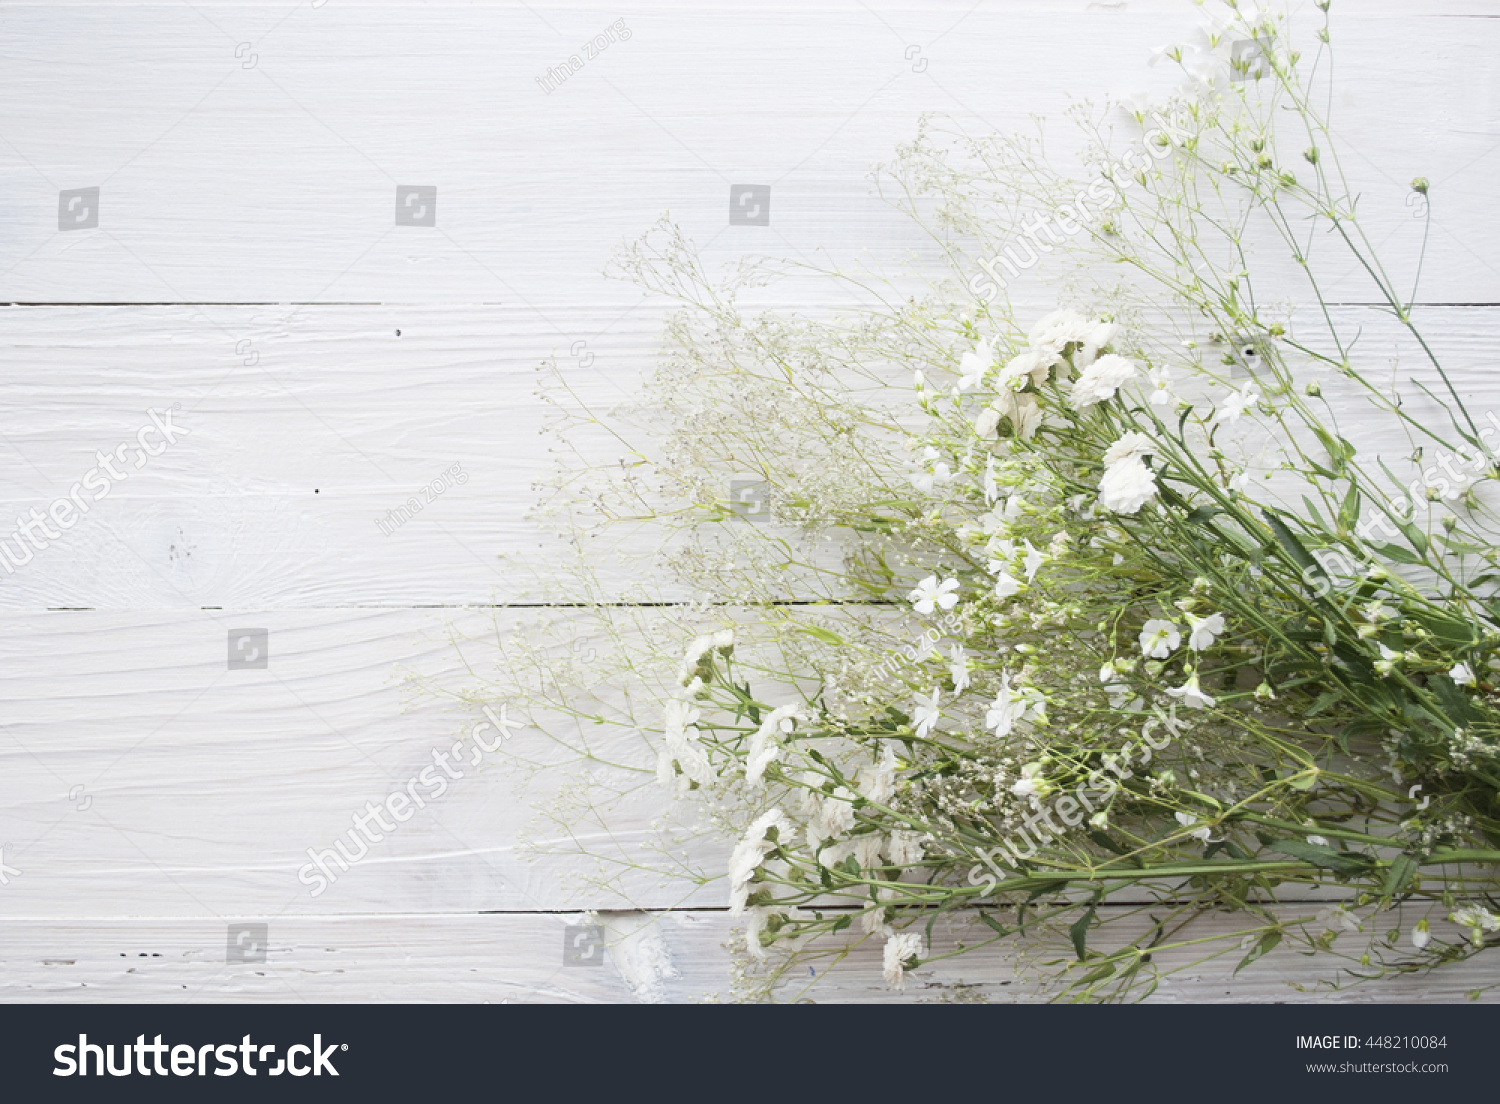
141,776
273,497
676,957
277,181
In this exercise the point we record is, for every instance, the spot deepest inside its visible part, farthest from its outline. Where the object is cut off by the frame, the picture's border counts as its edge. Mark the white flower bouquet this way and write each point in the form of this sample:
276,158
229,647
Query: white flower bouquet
1051,613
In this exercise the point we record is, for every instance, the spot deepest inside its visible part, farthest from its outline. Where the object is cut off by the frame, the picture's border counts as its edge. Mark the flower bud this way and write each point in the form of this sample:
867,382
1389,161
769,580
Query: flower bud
1311,155
1313,389
1420,185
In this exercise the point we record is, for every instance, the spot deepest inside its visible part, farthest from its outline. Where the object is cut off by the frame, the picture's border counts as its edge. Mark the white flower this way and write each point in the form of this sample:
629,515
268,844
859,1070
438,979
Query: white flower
762,750
1024,412
1132,446
1099,335
1159,638
681,746
1007,585
1205,631
1060,329
1191,695
1030,783
1462,674
878,781
925,481
1101,379
1161,382
1028,367
899,950
974,364
904,848
991,486
1387,661
1420,935
1477,919
750,852
699,648
1012,706
930,593
1318,841
927,712
836,816
1032,562
958,668
1334,917
1201,833
1237,403
1127,487
996,521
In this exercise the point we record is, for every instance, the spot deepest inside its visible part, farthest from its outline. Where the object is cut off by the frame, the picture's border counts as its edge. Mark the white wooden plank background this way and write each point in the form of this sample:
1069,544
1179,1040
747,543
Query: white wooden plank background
245,266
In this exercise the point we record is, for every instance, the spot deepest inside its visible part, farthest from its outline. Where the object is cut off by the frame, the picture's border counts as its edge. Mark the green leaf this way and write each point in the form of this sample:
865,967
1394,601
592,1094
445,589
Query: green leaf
1105,842
821,634
1349,511
992,922
1264,944
1340,862
1294,547
1323,701
1079,932
1402,868
1397,553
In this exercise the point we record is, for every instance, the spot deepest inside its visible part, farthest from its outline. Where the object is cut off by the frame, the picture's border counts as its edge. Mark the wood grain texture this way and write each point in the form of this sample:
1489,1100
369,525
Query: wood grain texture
646,958
247,266
276,495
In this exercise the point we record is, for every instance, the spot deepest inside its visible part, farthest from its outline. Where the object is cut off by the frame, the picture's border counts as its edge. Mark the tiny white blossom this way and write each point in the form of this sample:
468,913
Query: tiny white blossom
1387,661
1007,585
1190,695
1161,383
1205,630
974,364
1335,917
1032,562
930,594
1159,638
1462,674
1477,919
927,711
1421,935
1201,833
1030,782
959,668
1237,403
